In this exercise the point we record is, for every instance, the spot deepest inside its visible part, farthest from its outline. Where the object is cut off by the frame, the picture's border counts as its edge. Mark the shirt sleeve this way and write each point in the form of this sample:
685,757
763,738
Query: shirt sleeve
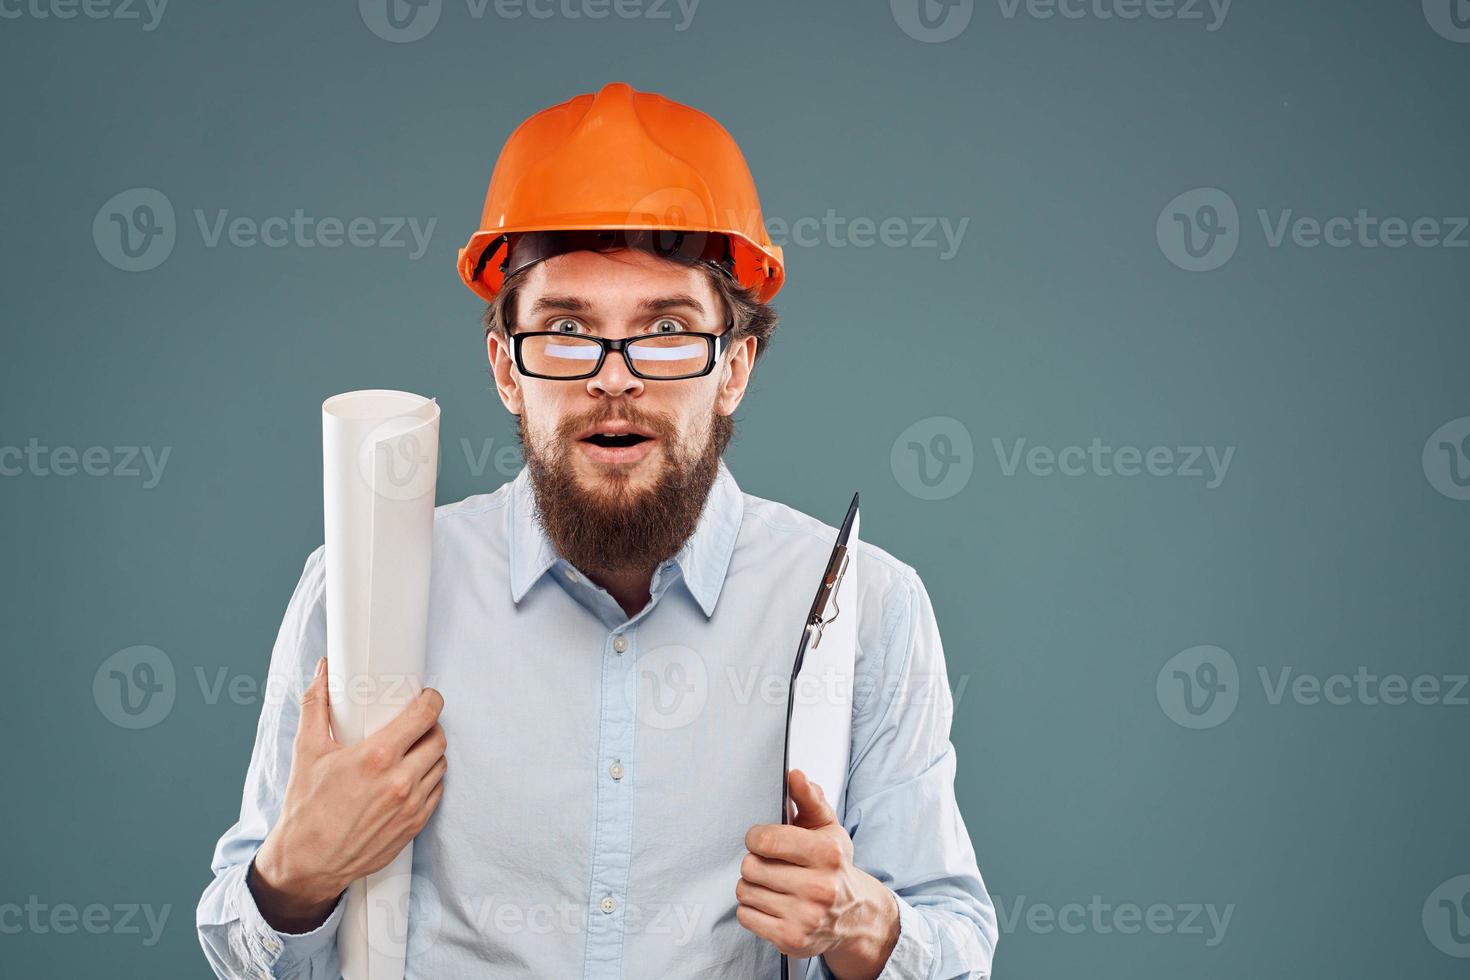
901,811
237,940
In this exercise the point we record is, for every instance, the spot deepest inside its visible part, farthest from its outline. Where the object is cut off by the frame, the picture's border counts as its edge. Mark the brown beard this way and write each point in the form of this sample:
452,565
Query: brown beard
617,528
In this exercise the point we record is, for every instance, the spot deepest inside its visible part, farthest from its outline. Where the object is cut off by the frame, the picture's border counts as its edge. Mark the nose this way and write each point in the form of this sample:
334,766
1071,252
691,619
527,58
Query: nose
614,378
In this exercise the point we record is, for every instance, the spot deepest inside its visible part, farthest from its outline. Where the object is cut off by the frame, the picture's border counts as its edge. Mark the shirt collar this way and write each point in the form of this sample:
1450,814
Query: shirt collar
702,561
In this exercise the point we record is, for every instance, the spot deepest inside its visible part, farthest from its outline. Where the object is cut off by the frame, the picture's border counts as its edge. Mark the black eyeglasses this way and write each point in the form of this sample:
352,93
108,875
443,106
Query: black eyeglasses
653,357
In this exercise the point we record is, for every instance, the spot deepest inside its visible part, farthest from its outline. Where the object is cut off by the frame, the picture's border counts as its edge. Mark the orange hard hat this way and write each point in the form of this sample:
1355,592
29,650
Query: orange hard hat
625,162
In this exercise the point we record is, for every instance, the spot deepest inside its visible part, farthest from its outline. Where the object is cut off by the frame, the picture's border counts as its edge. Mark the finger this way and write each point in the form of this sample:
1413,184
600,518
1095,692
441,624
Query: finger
794,845
432,803
765,899
763,924
813,810
433,777
420,715
426,751
315,729
778,876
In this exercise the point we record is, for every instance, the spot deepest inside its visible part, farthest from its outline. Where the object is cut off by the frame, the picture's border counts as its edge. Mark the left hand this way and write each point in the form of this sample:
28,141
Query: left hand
800,891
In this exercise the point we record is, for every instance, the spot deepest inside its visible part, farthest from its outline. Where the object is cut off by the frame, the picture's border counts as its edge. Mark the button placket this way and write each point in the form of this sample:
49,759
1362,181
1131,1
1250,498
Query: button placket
613,836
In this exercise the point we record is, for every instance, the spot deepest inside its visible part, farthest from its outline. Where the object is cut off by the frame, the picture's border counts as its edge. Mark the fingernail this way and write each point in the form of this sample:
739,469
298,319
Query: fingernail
321,666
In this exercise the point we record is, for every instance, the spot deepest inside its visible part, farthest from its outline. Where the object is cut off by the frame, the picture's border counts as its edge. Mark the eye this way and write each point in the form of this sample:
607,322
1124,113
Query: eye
566,325
666,325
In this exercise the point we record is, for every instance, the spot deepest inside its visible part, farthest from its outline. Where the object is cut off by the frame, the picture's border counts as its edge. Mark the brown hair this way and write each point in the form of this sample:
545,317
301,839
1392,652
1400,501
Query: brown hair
749,317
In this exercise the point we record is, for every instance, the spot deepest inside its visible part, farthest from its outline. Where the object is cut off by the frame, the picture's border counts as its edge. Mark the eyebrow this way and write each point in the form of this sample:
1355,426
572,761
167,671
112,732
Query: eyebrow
575,304
565,304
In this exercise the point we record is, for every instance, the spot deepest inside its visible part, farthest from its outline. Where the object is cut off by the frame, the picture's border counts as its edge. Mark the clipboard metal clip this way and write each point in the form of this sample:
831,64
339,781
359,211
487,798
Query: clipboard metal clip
831,582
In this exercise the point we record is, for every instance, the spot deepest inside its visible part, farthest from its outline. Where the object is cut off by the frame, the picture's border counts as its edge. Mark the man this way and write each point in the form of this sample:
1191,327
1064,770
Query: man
605,630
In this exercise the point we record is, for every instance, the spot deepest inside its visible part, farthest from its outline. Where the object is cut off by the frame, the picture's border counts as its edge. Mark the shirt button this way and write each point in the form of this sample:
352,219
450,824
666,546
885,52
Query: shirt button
607,905
572,576
620,643
615,770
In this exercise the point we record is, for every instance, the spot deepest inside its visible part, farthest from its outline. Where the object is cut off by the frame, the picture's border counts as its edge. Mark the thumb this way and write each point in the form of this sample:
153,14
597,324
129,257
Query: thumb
315,730
812,808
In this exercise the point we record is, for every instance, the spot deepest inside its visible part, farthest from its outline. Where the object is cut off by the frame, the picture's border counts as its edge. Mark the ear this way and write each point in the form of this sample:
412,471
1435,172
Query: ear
502,365
736,375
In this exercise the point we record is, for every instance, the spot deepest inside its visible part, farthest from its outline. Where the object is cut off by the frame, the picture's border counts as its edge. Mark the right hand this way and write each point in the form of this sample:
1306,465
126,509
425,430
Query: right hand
348,810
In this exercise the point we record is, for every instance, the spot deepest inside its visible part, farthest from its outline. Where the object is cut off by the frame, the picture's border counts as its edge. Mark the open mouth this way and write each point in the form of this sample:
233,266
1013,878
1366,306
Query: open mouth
616,440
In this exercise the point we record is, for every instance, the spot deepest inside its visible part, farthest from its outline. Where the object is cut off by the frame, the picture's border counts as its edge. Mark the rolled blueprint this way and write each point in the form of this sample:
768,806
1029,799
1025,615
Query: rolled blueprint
380,462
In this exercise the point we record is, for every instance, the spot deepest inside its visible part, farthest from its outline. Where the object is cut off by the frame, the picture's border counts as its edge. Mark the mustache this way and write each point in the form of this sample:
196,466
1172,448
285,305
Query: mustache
658,423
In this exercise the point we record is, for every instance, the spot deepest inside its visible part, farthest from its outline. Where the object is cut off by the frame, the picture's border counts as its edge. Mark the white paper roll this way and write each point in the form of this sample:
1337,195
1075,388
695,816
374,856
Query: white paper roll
380,463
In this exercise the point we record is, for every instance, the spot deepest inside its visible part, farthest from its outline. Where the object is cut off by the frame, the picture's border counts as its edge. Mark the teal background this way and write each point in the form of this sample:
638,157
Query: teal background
1325,549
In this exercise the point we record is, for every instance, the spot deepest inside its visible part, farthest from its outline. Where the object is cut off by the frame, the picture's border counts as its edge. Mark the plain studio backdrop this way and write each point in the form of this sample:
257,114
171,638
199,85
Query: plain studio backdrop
1140,327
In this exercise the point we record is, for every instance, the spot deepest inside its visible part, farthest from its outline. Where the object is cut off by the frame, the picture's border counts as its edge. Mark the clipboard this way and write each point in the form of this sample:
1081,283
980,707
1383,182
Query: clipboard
819,695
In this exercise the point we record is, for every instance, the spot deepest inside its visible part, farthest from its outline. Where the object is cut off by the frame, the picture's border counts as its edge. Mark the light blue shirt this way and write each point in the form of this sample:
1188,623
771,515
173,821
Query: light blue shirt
604,769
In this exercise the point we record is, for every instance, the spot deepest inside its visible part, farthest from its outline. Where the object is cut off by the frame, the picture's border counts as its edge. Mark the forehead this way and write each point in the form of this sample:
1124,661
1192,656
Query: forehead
622,283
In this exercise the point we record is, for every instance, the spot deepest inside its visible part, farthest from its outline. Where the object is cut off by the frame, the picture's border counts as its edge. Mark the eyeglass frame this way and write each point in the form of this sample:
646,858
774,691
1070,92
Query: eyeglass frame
713,343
